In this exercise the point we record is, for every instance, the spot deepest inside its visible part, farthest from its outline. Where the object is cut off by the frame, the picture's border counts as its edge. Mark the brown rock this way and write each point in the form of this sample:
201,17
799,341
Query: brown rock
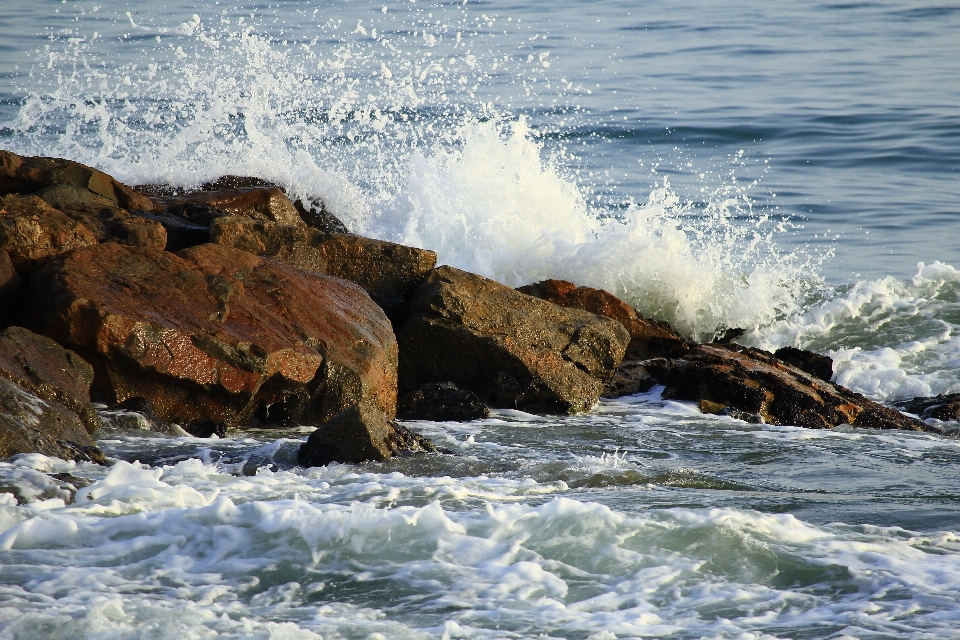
511,349
34,233
21,174
48,371
755,382
631,377
359,434
268,204
213,336
648,338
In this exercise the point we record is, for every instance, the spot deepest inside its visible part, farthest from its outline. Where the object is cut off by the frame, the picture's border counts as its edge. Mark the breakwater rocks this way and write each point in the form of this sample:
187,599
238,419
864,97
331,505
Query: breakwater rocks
232,306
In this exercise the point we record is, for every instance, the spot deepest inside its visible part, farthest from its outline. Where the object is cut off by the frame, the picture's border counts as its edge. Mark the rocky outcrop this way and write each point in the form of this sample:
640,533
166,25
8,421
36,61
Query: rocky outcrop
34,233
268,204
359,434
388,272
214,336
648,338
815,364
945,407
511,349
441,402
756,383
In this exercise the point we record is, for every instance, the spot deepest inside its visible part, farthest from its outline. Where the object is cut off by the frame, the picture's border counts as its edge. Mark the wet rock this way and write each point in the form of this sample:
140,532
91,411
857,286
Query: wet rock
388,272
359,434
441,402
33,233
45,369
29,424
10,288
268,204
813,363
214,336
24,174
316,216
137,414
756,382
648,338
511,349
945,407
181,233
630,378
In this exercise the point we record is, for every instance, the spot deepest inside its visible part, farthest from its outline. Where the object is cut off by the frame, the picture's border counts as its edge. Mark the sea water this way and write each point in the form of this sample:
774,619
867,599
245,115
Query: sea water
787,168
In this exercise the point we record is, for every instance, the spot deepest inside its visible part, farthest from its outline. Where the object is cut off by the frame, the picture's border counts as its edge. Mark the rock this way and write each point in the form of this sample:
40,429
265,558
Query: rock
137,414
34,233
388,272
23,175
214,336
10,288
648,338
317,217
45,369
630,378
181,233
236,182
945,407
756,382
268,204
360,434
813,363
441,402
29,424
511,349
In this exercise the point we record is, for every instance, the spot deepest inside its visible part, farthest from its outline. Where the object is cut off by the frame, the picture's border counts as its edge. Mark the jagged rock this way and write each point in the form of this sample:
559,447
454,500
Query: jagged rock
359,434
10,288
48,371
511,349
648,338
23,174
268,204
29,424
34,233
137,414
813,363
756,382
388,272
317,217
214,336
945,407
441,402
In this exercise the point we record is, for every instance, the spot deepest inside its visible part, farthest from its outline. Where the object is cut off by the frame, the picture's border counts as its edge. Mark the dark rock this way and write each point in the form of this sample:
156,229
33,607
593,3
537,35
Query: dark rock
34,233
181,233
10,288
813,363
388,272
756,382
268,204
198,213
725,335
23,175
511,349
317,217
213,336
45,369
945,407
441,402
648,338
359,434
235,182
137,414
29,424
630,378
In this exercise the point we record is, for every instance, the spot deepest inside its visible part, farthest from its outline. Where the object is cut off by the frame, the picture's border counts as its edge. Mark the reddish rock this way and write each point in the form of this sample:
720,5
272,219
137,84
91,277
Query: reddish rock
213,336
648,338
757,383
23,174
34,233
268,204
511,349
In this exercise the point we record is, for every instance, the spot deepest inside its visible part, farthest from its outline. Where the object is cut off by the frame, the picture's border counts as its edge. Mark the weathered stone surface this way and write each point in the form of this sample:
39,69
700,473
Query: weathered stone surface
648,338
511,349
29,424
945,407
359,434
755,382
813,363
214,336
10,288
47,370
388,272
24,174
441,402
268,204
34,233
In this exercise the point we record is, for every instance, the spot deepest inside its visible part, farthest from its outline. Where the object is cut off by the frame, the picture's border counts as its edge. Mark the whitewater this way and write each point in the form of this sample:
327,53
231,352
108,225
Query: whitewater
775,169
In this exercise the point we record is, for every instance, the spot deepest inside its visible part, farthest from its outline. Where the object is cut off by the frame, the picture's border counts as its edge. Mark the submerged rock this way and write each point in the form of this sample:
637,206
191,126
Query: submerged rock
441,402
359,434
511,349
214,336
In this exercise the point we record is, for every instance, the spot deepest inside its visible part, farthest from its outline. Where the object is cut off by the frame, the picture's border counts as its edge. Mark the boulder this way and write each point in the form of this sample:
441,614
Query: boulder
23,175
945,407
511,349
441,402
388,272
45,369
10,288
815,364
360,434
630,378
268,204
214,336
33,233
755,382
648,338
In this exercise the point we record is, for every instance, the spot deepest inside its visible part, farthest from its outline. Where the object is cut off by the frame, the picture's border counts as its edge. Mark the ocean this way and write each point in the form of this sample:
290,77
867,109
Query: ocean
792,169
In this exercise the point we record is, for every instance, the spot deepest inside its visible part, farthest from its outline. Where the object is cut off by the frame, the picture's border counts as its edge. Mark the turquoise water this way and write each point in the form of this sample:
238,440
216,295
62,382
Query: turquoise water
782,168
